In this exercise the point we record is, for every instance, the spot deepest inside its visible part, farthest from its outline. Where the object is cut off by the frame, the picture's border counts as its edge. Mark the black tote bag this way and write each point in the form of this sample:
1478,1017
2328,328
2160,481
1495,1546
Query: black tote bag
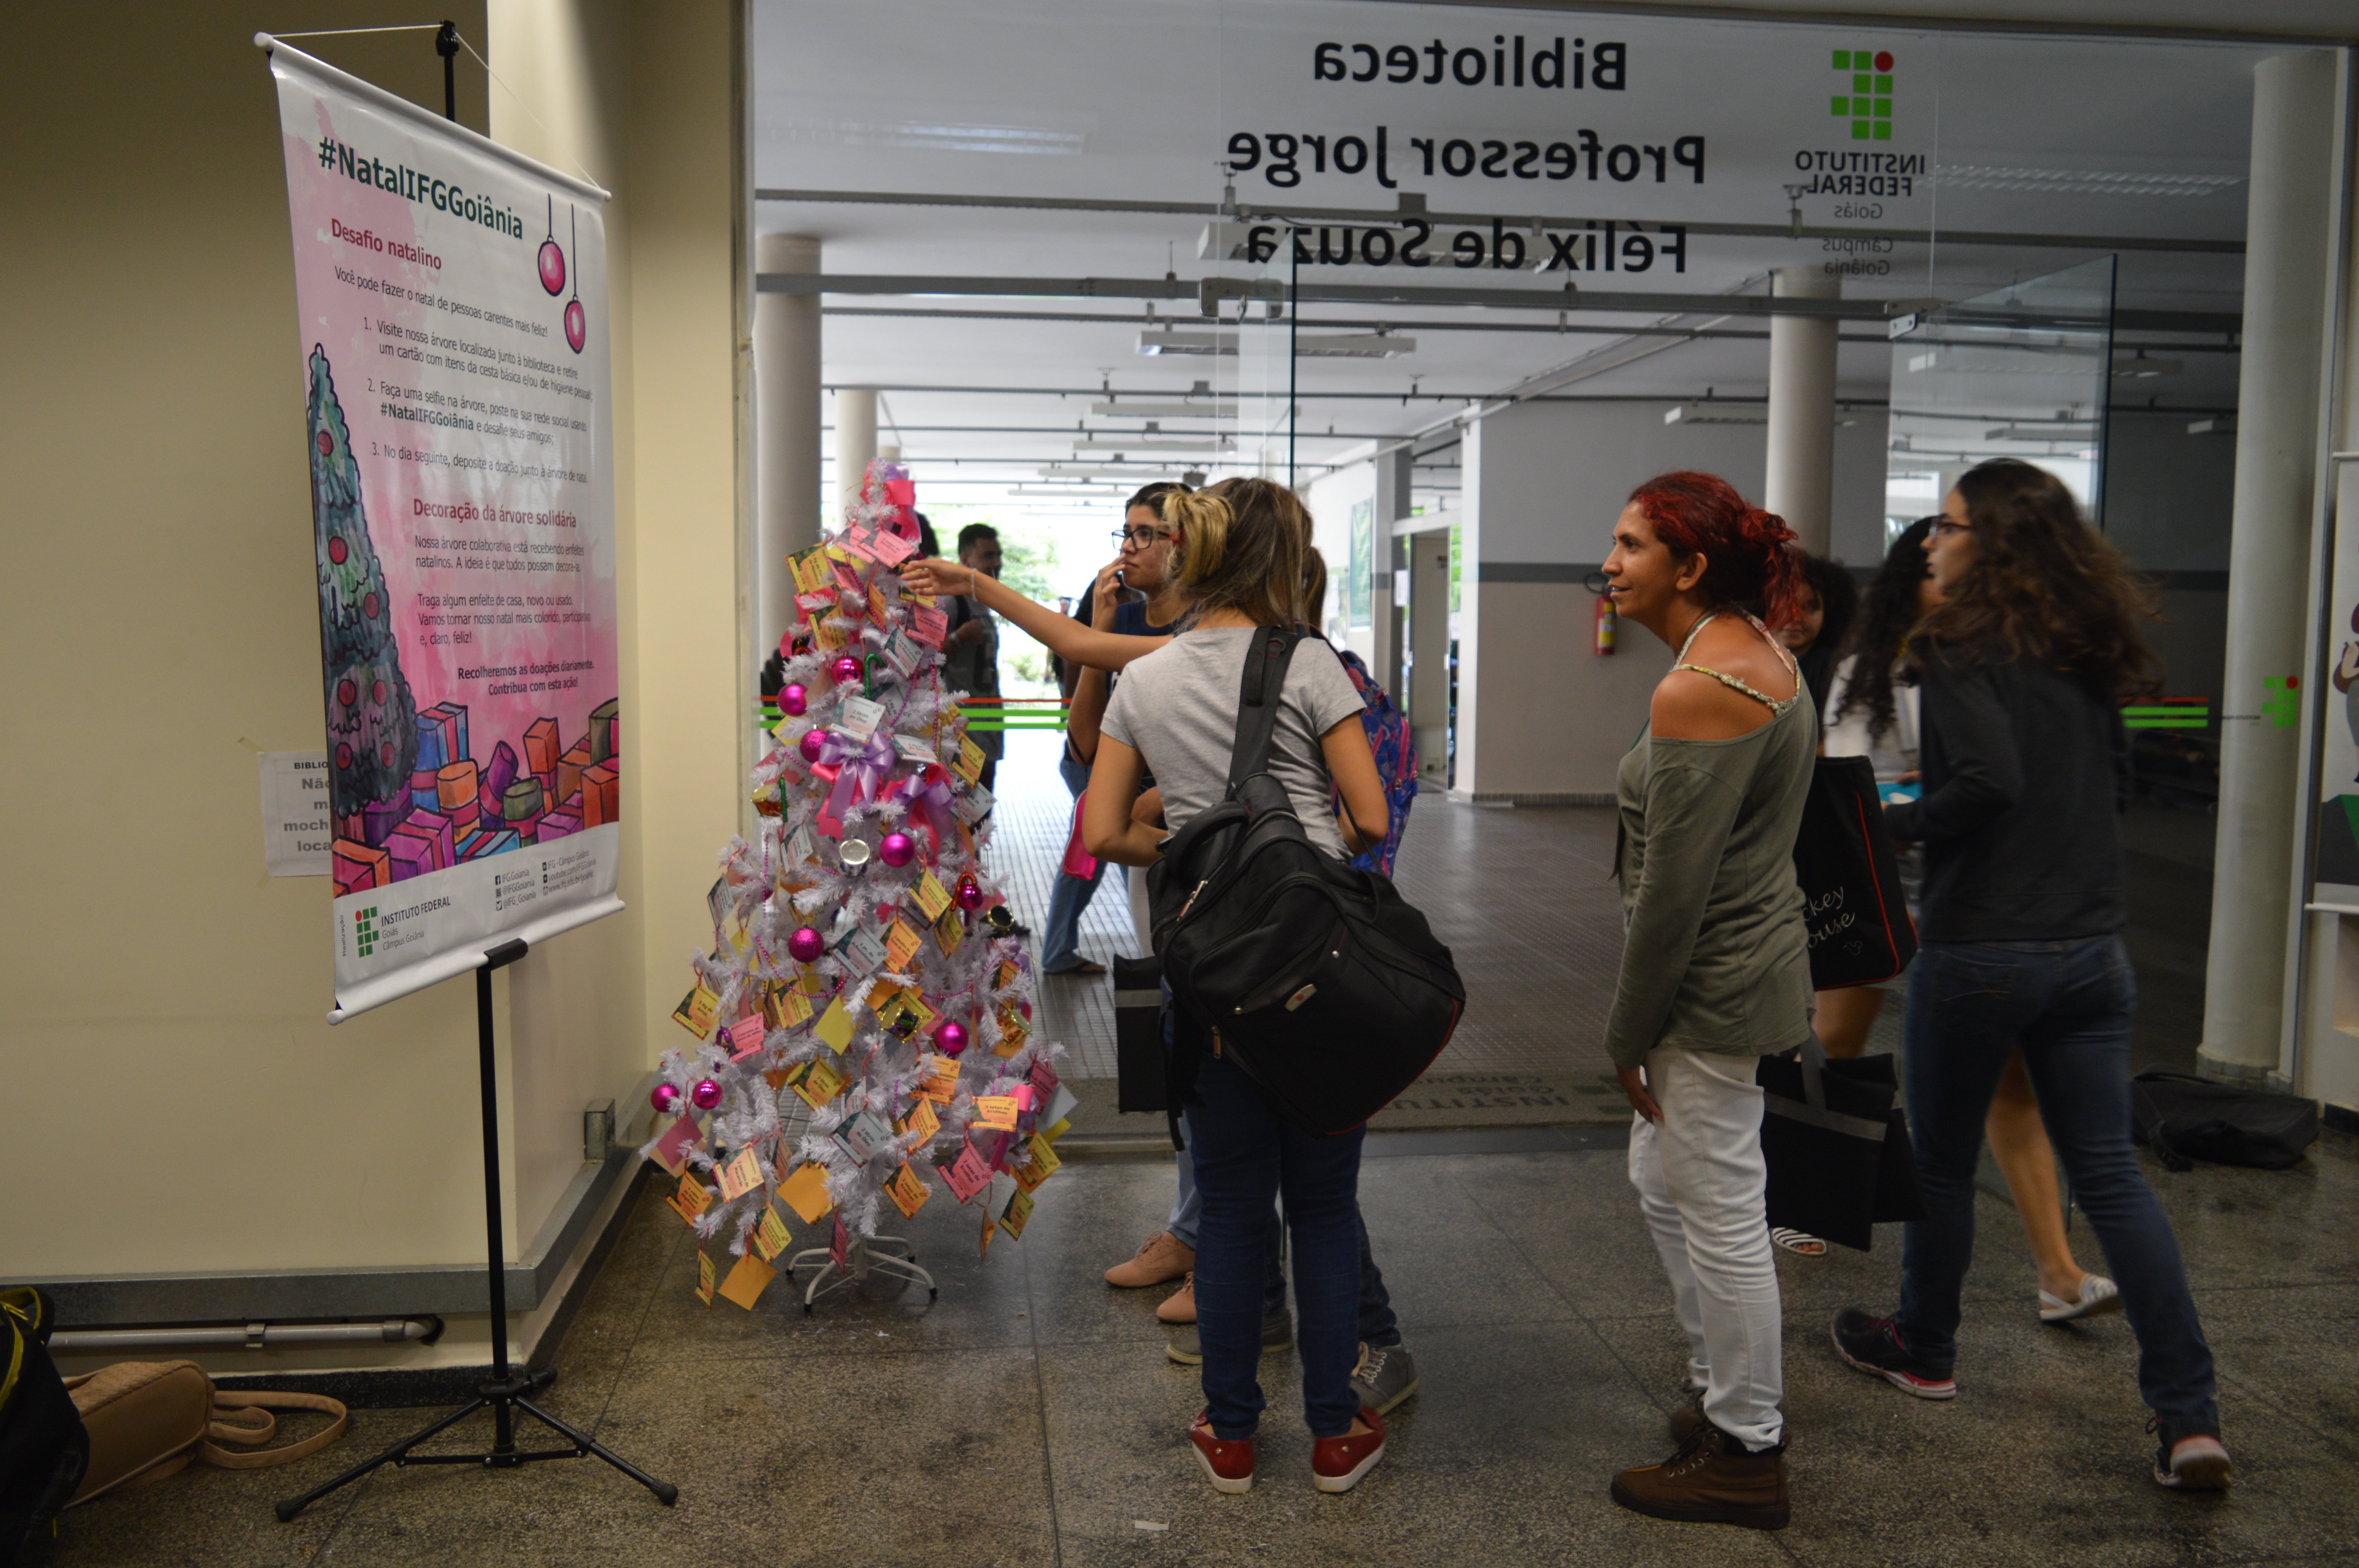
1859,926
1836,1146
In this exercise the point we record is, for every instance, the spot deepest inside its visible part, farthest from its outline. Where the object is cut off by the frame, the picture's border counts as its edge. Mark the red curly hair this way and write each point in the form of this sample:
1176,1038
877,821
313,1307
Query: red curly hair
1750,555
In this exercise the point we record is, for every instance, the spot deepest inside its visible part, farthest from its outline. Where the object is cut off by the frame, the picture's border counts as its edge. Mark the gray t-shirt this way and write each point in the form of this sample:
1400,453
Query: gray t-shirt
1177,708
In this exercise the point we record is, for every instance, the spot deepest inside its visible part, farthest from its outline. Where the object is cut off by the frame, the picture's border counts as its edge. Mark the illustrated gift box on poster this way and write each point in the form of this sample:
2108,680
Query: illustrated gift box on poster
359,868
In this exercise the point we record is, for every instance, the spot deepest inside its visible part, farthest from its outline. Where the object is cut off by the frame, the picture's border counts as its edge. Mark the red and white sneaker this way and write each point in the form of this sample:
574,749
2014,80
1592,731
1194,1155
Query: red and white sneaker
1337,1463
1228,1462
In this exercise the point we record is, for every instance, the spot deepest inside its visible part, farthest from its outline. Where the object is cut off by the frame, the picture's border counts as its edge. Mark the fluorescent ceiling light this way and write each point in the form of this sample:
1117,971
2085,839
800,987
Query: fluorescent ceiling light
2218,425
2059,432
1164,410
1130,441
1705,413
1334,345
2138,367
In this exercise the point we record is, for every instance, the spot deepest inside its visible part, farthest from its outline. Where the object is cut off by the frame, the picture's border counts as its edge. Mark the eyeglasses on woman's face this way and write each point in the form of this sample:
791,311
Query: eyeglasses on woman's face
1946,526
1139,538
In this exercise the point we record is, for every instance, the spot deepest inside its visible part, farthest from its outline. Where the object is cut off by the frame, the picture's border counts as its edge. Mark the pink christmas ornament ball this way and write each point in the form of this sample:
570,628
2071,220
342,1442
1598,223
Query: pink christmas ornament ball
805,945
793,700
969,894
813,745
663,1097
845,668
899,848
951,1039
707,1094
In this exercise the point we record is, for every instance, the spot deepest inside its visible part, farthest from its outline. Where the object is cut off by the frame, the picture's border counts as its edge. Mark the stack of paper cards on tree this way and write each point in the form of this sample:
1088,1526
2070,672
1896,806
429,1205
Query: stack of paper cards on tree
747,1280
785,1008
692,1199
770,1236
806,1192
966,1176
907,1192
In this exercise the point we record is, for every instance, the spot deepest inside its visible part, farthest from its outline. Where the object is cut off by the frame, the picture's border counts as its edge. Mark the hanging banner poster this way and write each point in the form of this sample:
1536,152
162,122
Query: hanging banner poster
452,297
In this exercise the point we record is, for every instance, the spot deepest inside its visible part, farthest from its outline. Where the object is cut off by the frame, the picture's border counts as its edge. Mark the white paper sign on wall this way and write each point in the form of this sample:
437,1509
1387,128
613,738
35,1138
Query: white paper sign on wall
296,829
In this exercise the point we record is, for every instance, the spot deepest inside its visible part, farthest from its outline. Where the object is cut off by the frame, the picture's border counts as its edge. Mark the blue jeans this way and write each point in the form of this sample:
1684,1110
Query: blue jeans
2066,1005
1378,1325
1060,943
1245,1156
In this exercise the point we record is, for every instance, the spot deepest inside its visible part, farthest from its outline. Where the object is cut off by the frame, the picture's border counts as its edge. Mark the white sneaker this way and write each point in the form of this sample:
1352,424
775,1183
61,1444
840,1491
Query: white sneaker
2098,1296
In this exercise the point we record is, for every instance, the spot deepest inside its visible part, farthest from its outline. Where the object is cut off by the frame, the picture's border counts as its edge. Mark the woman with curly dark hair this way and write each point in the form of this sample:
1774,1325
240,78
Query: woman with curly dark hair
2022,668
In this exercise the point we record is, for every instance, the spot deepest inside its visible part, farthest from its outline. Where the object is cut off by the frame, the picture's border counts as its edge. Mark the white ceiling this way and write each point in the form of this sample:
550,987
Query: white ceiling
1133,100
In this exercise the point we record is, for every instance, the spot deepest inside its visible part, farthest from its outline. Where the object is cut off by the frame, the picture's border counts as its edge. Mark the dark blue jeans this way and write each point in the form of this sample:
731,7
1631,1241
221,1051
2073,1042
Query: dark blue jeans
1378,1326
1060,943
2066,1006
1246,1155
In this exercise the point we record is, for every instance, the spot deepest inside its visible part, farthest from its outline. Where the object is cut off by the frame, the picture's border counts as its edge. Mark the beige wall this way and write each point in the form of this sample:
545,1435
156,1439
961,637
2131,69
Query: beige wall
178,1103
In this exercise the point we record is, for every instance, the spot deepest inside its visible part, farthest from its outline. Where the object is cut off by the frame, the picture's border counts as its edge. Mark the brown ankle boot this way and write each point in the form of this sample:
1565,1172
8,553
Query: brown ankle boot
1709,1481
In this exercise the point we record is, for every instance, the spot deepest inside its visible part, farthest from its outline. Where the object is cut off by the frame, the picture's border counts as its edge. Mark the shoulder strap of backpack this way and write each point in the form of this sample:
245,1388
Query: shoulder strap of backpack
1266,658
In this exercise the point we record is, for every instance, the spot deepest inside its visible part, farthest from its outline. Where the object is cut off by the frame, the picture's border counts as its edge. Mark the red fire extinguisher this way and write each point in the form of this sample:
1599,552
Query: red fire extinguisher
1607,623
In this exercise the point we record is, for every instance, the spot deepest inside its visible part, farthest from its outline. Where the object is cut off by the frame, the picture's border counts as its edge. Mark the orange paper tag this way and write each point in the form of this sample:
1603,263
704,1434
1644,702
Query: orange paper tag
692,1199
696,1011
747,1280
901,945
941,1080
971,759
1017,1213
806,1191
740,1175
922,1120
996,1112
907,1192
770,1235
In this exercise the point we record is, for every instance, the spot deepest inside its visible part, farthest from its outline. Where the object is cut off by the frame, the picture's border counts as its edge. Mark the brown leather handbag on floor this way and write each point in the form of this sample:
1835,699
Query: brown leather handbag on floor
147,1420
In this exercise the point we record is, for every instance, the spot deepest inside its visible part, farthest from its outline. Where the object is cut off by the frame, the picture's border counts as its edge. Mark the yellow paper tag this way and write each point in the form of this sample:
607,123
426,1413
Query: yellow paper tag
704,1279
1013,1032
1017,1213
770,1235
817,1082
1006,976
793,1010
812,572
922,1120
1050,1134
805,1192
950,931
941,1080
1043,1164
697,1010
907,1192
989,1231
747,1280
971,759
932,896
693,1197
835,1027
996,1112
901,945
878,609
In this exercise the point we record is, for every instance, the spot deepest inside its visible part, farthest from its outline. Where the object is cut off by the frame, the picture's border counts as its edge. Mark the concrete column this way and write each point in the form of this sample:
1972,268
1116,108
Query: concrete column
2286,256
787,386
855,443
1801,480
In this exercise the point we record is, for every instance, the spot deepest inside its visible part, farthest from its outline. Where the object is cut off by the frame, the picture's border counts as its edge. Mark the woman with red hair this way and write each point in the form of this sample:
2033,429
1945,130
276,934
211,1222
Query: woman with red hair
1715,965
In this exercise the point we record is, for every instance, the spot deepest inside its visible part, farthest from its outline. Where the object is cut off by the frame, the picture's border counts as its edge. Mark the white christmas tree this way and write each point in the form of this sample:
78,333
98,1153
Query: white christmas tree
863,1019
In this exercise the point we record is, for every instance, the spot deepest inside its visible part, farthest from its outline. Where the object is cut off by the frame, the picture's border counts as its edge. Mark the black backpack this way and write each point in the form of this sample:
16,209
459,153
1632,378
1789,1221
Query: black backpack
2185,1118
1313,978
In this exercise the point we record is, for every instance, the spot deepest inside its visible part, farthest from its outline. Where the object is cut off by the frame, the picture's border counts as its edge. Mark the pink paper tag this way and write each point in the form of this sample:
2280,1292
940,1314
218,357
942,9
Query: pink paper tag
858,542
1023,1096
890,547
746,1037
671,1149
965,1175
928,625
1044,1078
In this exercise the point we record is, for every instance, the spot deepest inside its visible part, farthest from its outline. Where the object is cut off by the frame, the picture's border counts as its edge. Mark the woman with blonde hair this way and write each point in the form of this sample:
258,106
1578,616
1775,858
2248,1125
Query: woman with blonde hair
1240,558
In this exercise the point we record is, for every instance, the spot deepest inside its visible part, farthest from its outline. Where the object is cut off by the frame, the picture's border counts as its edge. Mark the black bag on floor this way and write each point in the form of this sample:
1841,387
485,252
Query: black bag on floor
1138,1033
2185,1118
1859,926
1317,980
44,1449
1836,1145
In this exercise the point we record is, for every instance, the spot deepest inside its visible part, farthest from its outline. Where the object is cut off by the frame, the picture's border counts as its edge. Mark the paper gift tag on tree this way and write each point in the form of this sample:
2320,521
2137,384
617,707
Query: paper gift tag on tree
1016,1215
950,931
806,1192
971,759
997,1112
928,625
864,953
747,1280
817,1082
693,1198
696,1011
921,1119
941,1084
703,1278
1013,1032
744,1038
858,718
671,1149
932,896
965,1175
907,1192
770,1235
740,1175
901,945
835,1027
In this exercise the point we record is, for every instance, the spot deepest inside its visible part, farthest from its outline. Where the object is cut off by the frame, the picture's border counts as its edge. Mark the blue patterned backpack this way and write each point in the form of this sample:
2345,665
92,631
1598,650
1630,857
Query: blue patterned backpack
1396,754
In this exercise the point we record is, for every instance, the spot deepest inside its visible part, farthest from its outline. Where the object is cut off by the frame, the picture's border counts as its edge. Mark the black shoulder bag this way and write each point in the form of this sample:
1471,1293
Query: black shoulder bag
1315,980
1859,927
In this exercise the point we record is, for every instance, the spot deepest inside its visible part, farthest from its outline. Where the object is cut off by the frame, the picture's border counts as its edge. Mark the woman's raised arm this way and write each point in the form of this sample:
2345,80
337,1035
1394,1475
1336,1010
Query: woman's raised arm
1061,634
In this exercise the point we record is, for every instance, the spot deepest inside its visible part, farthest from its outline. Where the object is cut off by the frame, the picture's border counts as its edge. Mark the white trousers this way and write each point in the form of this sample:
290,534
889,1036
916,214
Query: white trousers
1700,1184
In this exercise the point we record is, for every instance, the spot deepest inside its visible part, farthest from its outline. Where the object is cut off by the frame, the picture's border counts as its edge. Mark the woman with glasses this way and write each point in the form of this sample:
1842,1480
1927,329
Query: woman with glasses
2021,670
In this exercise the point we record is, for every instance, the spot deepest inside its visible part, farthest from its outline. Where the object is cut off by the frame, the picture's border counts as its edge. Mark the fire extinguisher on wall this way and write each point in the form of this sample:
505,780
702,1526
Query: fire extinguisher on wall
1607,623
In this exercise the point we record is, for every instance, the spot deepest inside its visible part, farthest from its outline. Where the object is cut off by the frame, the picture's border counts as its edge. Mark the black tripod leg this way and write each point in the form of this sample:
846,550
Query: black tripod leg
293,1506
665,1491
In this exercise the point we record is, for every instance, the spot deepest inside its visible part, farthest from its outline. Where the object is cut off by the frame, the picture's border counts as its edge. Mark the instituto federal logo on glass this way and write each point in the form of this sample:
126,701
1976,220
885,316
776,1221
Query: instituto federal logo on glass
1868,104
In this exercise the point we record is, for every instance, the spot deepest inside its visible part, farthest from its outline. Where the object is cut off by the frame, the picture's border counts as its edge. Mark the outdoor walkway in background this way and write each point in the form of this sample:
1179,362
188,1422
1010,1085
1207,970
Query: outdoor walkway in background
1029,1417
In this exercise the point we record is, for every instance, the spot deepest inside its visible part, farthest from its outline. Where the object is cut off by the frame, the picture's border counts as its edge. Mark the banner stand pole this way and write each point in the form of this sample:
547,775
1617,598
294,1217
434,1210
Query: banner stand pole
505,1394
446,44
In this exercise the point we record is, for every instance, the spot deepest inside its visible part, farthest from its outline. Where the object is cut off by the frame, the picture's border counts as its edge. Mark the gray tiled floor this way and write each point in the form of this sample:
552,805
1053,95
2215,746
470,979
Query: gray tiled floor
1029,1416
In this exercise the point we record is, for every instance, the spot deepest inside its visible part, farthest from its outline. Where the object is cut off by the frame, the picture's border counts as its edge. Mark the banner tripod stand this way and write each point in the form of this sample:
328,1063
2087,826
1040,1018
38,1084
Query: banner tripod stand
505,1394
